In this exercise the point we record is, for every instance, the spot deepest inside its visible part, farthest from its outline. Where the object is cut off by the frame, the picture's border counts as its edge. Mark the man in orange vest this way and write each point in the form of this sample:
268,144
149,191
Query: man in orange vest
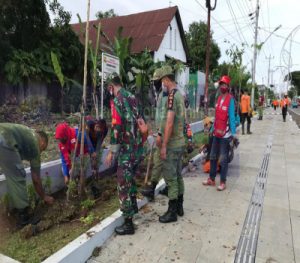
275,104
284,103
245,111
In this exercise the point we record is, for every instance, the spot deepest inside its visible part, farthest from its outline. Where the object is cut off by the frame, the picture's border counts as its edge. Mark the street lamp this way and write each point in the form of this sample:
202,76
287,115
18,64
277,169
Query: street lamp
254,63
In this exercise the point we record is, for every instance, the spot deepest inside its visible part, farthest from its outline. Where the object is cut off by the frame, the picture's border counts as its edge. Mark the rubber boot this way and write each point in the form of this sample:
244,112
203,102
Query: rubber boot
134,204
248,129
171,214
149,191
243,129
180,211
126,229
24,218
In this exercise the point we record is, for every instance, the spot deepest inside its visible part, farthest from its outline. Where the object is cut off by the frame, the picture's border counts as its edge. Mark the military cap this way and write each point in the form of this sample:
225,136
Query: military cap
166,71
162,72
157,74
113,78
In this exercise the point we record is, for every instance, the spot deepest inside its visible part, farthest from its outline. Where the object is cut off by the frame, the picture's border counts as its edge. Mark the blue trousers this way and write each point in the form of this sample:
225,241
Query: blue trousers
219,150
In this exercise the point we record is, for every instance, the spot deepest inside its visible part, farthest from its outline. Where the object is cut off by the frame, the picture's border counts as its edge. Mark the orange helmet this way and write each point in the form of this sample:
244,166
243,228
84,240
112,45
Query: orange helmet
225,79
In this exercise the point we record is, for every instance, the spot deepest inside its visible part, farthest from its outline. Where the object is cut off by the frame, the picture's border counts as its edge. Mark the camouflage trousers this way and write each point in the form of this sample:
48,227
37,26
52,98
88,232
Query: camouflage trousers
156,172
171,171
260,111
12,167
127,188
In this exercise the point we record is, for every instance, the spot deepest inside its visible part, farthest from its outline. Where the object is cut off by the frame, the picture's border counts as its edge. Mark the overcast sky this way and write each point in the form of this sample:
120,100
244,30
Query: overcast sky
272,14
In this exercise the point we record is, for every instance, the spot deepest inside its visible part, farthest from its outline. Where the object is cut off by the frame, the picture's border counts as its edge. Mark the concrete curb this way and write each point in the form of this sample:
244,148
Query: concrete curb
5,259
81,249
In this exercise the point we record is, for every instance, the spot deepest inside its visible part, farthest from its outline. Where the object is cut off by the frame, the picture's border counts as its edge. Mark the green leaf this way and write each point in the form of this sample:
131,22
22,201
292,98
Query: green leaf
57,69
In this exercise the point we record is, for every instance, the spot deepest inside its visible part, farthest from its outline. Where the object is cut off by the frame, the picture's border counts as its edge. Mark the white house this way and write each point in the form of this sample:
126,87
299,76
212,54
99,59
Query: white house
160,31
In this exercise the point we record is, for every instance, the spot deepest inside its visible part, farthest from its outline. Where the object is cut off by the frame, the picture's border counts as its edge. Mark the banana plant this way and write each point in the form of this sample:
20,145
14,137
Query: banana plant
64,81
122,46
142,66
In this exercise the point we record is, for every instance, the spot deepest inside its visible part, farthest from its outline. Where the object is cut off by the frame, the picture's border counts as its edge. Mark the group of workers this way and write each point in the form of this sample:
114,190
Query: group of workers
128,134
284,103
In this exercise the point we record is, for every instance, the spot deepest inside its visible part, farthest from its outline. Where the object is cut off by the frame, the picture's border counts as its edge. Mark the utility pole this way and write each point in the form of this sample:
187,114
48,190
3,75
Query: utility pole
254,53
268,85
207,59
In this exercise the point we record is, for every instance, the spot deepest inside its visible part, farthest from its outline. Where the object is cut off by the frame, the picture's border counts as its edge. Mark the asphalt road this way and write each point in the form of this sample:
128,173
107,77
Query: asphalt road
295,115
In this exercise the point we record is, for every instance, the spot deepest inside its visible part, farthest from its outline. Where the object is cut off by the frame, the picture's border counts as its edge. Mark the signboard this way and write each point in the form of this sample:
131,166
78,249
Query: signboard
110,64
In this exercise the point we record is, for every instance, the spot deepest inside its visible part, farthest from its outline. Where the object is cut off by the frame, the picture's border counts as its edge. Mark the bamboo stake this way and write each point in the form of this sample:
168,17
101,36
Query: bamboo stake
82,175
95,98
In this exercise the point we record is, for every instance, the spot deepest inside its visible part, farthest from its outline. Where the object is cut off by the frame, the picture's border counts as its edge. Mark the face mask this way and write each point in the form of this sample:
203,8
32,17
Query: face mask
111,92
164,88
223,89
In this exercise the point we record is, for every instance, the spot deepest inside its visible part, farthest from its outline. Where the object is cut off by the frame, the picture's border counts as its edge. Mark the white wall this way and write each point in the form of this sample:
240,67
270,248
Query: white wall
201,87
182,79
171,44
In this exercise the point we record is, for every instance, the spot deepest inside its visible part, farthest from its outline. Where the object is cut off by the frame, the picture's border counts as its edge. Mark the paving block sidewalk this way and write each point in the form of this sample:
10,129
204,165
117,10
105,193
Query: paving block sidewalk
213,222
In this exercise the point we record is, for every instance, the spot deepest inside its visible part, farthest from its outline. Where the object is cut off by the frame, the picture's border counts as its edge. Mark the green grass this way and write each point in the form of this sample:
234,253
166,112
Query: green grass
39,247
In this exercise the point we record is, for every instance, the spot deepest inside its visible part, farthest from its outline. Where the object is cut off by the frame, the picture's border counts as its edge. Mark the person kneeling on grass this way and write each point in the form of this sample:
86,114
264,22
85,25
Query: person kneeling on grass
67,140
17,143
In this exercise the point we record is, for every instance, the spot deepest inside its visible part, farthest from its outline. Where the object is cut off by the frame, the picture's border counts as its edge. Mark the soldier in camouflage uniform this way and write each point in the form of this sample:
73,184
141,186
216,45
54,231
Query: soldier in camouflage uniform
17,143
172,145
156,172
125,143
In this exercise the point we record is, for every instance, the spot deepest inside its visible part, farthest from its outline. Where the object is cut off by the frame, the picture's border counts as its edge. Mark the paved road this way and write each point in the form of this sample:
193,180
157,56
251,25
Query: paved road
295,113
213,225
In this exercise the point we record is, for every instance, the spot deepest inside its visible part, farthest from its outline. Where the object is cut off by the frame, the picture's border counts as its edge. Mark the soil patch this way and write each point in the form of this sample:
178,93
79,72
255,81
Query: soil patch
59,225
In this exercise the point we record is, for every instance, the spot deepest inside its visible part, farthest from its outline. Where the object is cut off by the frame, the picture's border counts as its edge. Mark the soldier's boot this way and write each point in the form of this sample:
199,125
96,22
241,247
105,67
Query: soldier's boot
248,129
24,218
180,211
126,229
164,191
171,214
149,191
134,204
243,129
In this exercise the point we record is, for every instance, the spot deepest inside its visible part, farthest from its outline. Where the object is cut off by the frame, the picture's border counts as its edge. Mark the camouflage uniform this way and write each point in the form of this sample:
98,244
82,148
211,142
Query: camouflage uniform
172,166
156,172
17,143
125,140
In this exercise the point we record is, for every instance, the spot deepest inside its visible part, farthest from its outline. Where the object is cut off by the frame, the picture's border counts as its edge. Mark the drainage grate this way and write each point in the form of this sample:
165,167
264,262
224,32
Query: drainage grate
246,250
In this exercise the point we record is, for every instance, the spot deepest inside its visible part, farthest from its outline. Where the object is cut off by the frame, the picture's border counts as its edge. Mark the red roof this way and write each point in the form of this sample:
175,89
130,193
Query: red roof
146,29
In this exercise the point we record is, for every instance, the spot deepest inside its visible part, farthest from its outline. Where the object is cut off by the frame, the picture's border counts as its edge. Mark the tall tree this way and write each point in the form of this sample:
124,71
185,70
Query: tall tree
196,40
106,14
295,81
25,23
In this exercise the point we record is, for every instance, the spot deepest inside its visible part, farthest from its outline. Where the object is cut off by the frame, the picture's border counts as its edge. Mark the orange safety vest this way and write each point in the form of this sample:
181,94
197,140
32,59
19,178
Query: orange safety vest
245,103
284,102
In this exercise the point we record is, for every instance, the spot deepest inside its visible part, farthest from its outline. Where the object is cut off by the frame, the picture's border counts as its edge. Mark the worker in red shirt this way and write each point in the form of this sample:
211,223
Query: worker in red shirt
67,140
